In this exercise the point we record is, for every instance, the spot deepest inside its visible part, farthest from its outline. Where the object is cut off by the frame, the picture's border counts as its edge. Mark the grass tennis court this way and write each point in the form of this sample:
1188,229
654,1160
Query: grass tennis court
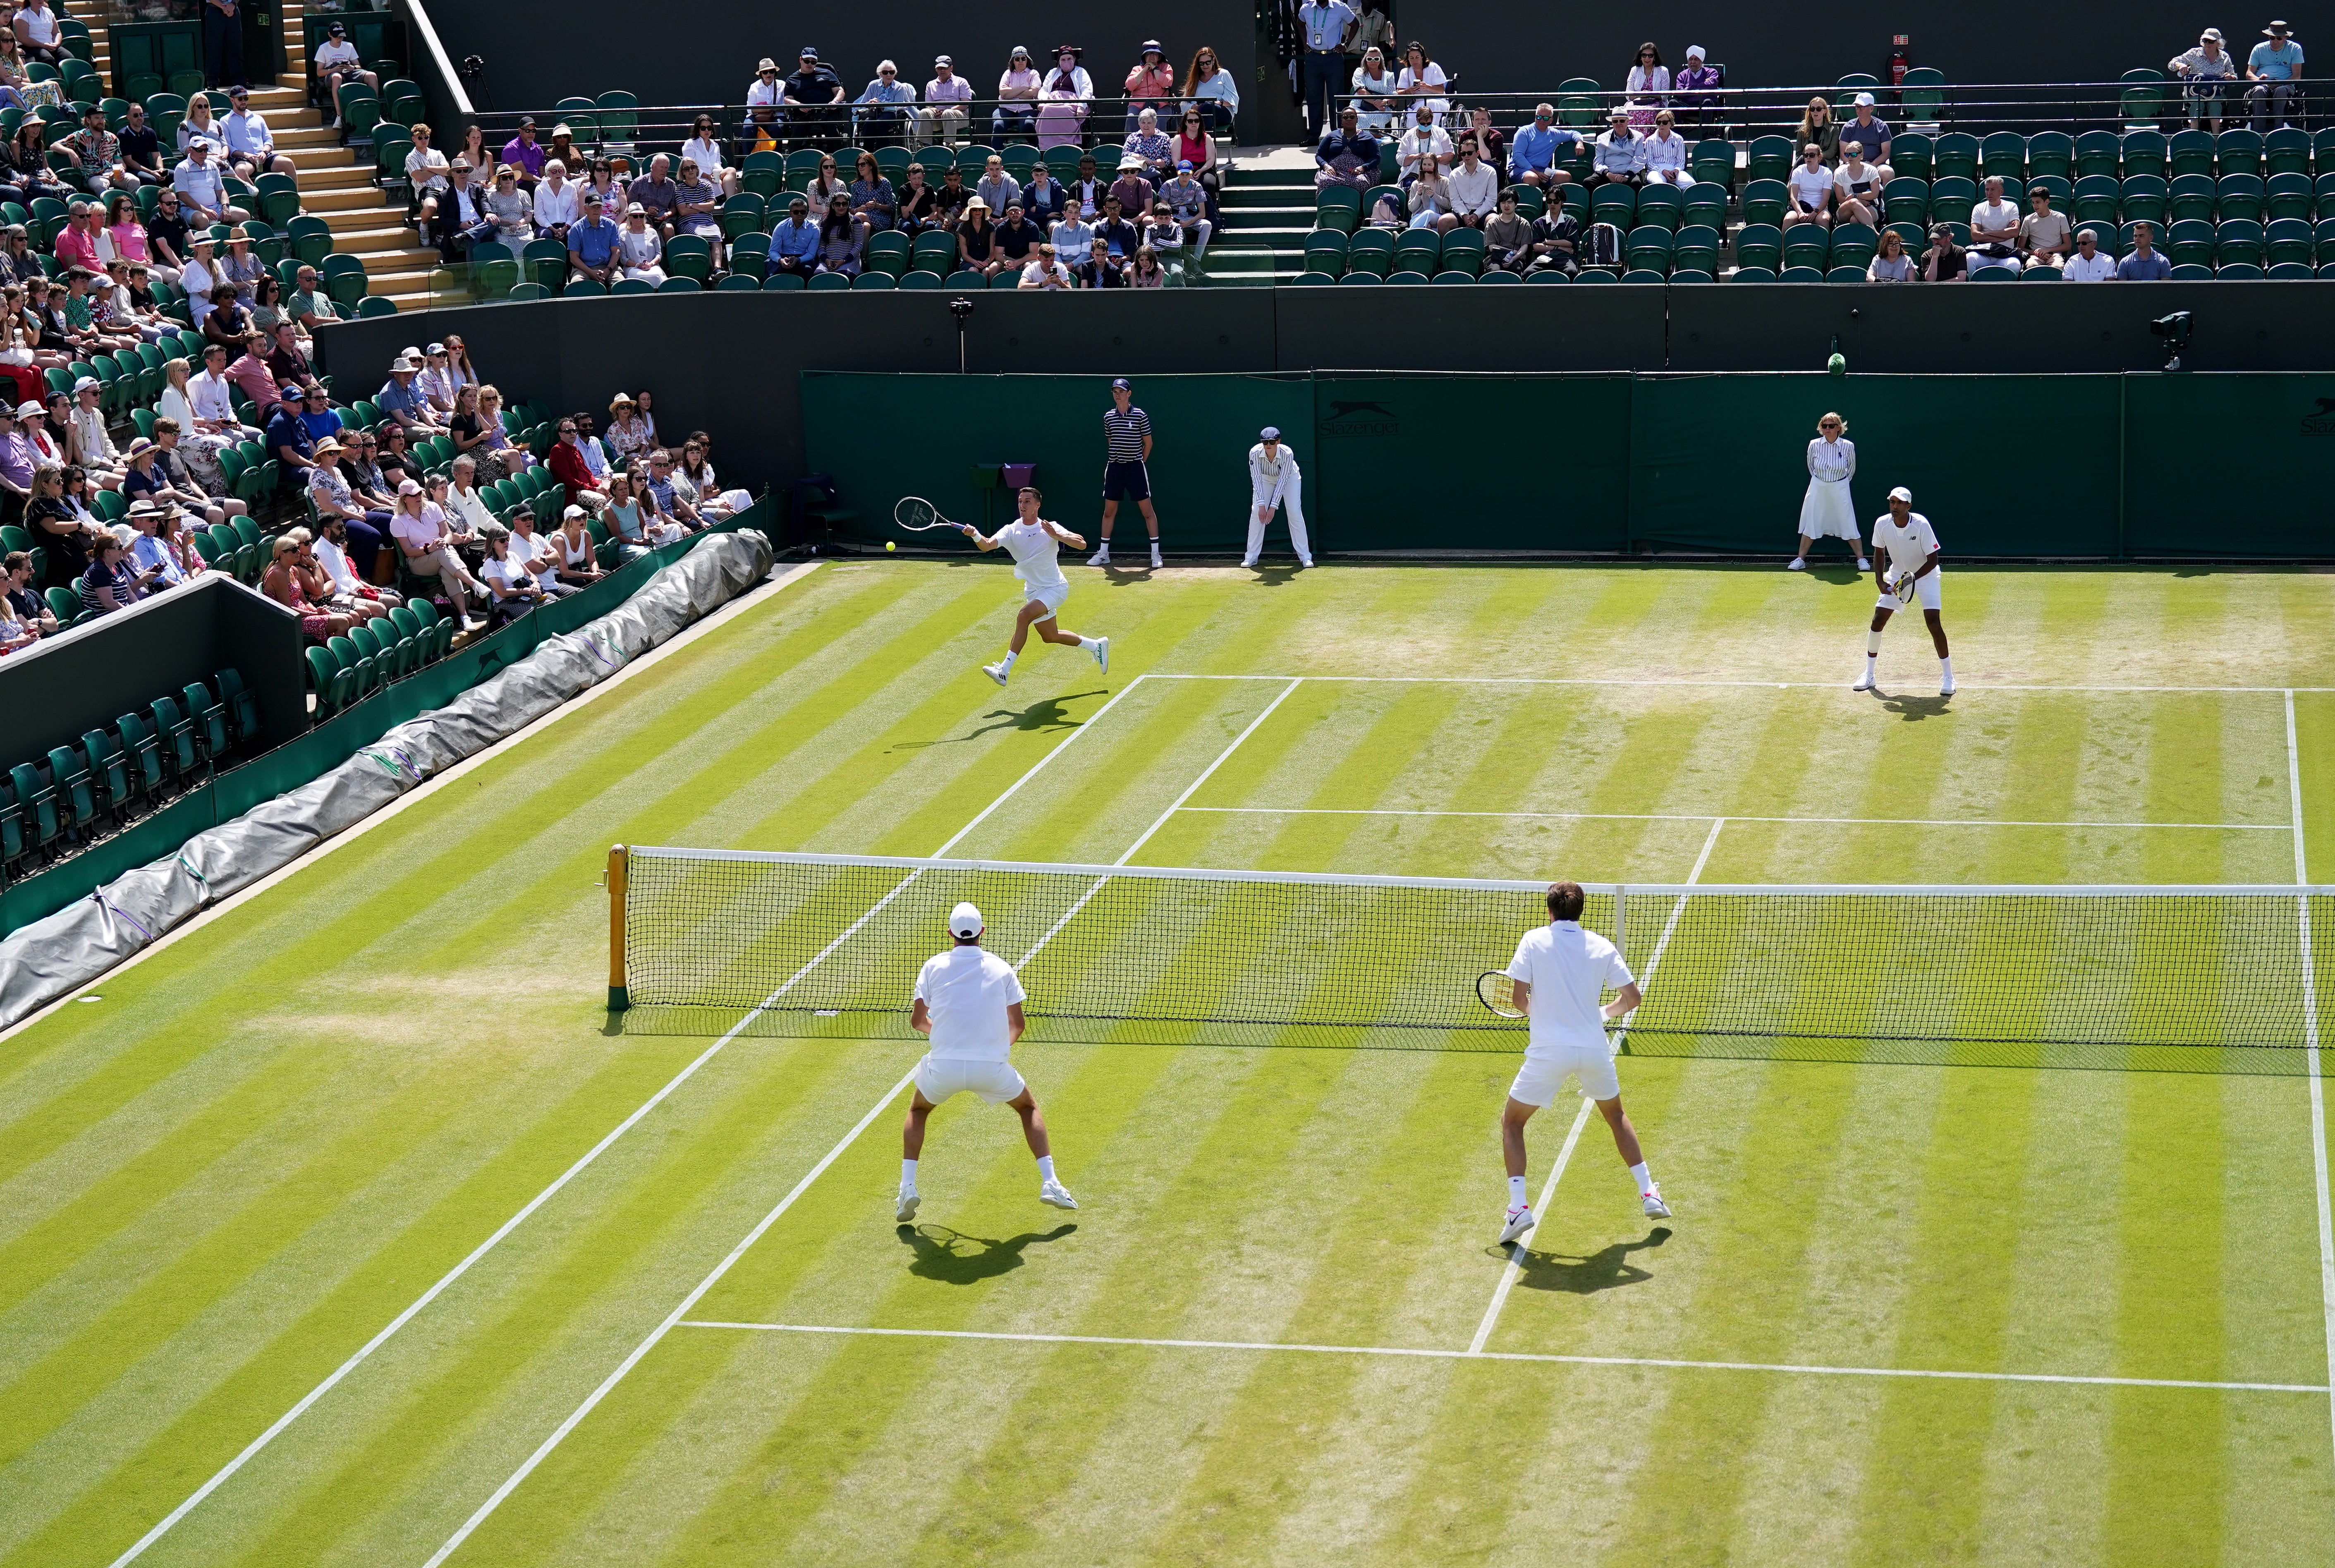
268,1142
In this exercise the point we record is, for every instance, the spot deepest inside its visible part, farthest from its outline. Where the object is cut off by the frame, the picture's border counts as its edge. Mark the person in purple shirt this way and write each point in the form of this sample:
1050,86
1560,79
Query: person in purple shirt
524,154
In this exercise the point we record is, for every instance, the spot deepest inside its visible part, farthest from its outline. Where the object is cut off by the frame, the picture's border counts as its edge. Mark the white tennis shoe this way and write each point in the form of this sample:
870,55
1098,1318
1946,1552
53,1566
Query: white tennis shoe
1155,557
1655,1208
1306,562
1520,1220
1057,1195
1864,683
1797,564
995,672
1863,563
1102,653
1946,686
1100,557
907,1210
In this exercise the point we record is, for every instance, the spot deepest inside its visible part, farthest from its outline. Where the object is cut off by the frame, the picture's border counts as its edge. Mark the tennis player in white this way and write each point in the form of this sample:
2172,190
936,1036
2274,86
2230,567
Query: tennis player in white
969,1003
1561,971
1273,481
1903,547
1036,547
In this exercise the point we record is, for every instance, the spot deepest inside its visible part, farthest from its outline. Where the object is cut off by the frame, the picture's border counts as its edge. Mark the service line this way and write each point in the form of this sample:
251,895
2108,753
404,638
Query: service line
1731,817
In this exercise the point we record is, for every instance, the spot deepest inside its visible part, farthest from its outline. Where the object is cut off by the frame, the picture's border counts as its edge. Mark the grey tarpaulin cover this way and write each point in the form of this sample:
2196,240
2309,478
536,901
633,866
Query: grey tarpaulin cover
51,957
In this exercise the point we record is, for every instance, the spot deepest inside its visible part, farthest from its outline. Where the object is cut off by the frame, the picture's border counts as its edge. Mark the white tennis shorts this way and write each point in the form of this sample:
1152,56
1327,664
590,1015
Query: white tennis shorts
1051,598
1925,590
940,1076
1546,1067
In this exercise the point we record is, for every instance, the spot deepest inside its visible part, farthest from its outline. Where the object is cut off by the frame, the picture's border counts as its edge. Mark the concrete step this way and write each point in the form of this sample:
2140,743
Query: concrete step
367,242
311,138
332,205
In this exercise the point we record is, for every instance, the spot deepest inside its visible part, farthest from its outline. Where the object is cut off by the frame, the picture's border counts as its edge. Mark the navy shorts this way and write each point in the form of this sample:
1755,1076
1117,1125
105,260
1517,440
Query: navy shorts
1126,482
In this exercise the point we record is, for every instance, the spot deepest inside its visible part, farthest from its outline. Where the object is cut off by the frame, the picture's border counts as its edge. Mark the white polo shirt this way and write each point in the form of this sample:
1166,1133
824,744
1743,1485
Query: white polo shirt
1037,554
965,991
1568,969
1906,547
2101,268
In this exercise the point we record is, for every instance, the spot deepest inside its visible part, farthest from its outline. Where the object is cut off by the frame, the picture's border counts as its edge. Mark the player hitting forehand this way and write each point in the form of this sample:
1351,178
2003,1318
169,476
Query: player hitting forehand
1560,972
1036,546
1906,565
969,1003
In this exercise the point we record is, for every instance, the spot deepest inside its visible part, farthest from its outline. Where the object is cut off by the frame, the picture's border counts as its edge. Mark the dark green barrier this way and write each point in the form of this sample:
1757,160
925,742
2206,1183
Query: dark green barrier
1719,463
2230,465
883,437
284,767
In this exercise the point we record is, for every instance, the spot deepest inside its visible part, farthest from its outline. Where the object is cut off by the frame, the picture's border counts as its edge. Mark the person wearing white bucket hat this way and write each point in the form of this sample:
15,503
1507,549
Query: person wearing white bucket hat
969,1004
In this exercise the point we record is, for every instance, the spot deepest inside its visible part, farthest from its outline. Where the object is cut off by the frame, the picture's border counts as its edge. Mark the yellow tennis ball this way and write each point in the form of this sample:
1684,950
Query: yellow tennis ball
890,545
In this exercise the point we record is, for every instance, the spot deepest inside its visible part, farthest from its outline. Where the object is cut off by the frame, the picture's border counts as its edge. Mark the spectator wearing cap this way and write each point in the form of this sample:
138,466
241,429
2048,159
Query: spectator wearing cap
794,240
764,94
534,552
1063,99
944,116
1133,190
592,243
1944,261
1017,98
577,553
638,249
149,552
523,153
1618,155
401,400
1869,134
96,153
884,107
88,442
1534,151
201,191
1157,150
338,63
1151,84
1694,88
2206,69
289,441
510,210
2275,68
330,493
427,548
1188,203
138,148
250,145
179,483
809,92
1421,141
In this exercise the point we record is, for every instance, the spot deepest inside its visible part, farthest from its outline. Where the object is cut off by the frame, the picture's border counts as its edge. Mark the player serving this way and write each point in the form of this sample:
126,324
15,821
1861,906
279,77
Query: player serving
1906,565
969,1003
1559,972
1036,547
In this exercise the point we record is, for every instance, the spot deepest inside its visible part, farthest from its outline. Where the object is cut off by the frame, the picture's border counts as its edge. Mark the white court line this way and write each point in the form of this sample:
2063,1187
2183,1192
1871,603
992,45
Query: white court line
1730,817
1515,1267
608,1384
1714,682
1549,1358
2310,1058
512,1224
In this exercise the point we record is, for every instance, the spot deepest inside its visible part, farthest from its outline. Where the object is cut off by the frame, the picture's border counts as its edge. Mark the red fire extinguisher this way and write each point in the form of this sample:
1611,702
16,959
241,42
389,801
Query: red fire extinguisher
1900,59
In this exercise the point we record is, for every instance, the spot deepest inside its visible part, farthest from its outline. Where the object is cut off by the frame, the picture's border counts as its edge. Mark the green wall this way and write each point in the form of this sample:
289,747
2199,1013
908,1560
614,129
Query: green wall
2110,467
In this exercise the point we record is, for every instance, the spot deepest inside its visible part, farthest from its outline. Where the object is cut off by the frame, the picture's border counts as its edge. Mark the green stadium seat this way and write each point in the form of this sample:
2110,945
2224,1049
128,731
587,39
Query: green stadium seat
1649,248
1853,245
2041,274
1454,275
1711,161
1593,274
2095,200
1802,274
2190,242
1907,199
1912,153
1951,197
1705,203
1846,275
1547,276
2003,154
1614,204
2141,98
2192,197
2238,196
2147,153
1407,277
2238,151
2238,240
1759,245
2098,152
2289,271
1312,280
1807,245
2191,152
1954,156
2191,272
1764,201
2287,240
2239,272
1362,277
2286,150
1661,204
2050,152
1771,158
782,282
1696,249
2287,195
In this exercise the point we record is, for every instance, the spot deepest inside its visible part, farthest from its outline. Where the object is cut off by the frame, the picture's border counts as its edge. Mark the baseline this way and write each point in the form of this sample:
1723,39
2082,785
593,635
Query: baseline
1680,1363
1716,682
1731,817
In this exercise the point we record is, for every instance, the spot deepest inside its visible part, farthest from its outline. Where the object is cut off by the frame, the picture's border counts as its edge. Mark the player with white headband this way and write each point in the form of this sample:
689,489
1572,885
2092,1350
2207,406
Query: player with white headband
1906,565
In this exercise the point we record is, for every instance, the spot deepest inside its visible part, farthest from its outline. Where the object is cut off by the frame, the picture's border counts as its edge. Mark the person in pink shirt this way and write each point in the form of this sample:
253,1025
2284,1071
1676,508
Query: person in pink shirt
251,373
77,243
128,234
1150,86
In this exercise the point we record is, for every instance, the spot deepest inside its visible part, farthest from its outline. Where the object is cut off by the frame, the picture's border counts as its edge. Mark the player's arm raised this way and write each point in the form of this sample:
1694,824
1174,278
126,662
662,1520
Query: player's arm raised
1076,541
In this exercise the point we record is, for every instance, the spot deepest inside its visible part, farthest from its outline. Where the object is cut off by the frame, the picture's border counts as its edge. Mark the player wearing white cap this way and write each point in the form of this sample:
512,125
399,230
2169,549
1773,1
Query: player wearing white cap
1273,481
969,1003
1905,556
1561,971
1036,547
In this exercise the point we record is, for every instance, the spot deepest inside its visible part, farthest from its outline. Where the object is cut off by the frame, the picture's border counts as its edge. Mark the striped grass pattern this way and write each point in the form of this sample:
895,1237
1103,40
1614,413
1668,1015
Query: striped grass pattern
272,1138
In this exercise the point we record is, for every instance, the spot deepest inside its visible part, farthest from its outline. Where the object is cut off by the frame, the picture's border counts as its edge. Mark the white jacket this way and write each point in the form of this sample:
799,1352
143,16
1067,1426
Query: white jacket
1272,482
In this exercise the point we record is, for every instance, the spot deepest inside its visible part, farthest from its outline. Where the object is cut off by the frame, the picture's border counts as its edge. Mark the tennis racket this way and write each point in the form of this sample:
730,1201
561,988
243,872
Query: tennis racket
1498,992
1904,589
916,513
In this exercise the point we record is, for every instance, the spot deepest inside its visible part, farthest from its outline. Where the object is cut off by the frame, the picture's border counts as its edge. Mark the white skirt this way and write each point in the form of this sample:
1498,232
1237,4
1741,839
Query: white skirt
1827,513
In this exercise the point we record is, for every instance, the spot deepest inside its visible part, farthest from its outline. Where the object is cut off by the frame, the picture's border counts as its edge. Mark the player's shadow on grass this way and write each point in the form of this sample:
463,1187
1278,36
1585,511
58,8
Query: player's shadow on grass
955,1258
1914,710
1276,576
1038,718
1603,1269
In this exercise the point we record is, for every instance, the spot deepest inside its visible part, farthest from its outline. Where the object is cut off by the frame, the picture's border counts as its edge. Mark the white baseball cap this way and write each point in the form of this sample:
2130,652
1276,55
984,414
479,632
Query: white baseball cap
964,921
1864,101
1902,494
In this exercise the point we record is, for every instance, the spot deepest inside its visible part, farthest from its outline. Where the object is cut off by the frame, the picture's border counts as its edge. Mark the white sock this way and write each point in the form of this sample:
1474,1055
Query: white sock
1045,1168
1646,1183
1946,668
1873,644
1515,1192
1088,643
1010,657
907,1175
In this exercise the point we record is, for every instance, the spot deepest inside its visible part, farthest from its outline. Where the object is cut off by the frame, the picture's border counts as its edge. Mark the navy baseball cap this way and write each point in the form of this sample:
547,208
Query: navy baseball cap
1123,384
291,391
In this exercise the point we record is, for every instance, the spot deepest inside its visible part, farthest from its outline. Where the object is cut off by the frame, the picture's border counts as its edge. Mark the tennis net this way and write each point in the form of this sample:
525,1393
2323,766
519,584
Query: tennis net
825,944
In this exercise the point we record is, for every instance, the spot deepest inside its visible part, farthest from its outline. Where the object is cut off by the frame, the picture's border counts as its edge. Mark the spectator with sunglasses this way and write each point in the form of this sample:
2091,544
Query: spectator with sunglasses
882,121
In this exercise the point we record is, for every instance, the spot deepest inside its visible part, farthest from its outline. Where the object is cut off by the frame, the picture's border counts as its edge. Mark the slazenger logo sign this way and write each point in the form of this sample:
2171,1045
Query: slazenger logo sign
1360,418
2321,421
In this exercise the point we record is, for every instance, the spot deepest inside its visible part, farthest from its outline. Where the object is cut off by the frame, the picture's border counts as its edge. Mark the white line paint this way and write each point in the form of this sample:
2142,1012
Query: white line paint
1441,1355
1514,1267
2310,1060
509,1225
1713,683
1515,1263
1731,817
543,1451
609,1383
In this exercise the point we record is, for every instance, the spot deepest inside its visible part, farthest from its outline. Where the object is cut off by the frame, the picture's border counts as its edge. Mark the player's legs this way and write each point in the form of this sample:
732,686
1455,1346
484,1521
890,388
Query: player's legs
1625,1142
1037,614
912,1149
1034,1130
1520,1219
1150,517
1945,656
1871,649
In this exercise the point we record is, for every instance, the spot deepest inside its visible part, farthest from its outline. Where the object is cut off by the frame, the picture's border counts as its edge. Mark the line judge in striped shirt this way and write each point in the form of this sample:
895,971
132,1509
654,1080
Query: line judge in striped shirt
1127,435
